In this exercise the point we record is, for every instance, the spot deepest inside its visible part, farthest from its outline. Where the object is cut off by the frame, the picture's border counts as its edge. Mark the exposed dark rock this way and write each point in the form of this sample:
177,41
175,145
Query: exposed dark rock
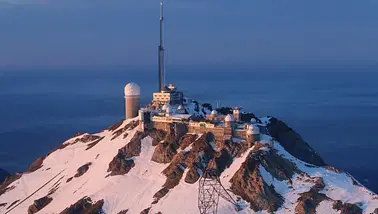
164,153
192,175
133,148
39,204
86,138
333,169
94,143
122,162
157,135
85,206
145,211
129,126
293,142
115,126
3,175
235,149
159,194
375,211
3,204
248,183
83,169
319,184
174,172
186,140
123,211
12,204
308,201
69,179
37,164
166,150
223,160
346,208
120,165
5,186
279,167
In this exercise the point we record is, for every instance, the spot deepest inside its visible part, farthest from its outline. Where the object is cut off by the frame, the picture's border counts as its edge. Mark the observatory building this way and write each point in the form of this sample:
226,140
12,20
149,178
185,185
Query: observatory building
132,99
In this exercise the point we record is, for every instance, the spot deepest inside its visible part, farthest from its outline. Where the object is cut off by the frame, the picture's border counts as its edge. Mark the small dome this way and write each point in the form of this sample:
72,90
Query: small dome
132,89
253,121
180,107
165,106
229,118
253,129
214,112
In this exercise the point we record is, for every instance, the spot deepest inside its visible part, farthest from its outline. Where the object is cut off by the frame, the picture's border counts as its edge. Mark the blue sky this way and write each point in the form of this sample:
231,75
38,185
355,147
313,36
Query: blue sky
69,33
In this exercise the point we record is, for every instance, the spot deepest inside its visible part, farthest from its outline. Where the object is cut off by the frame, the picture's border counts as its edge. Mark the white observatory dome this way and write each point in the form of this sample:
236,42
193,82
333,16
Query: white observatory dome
132,89
214,112
253,129
253,121
229,118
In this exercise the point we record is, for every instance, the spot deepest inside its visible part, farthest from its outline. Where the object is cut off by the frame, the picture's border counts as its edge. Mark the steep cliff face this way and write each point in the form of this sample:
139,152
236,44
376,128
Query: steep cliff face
293,142
126,170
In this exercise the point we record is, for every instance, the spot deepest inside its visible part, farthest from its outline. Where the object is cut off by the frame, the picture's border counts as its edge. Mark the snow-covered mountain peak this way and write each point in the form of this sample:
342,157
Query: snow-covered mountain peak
126,170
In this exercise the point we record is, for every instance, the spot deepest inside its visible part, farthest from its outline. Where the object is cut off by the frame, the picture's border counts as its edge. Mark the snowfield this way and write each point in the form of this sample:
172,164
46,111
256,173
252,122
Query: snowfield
135,190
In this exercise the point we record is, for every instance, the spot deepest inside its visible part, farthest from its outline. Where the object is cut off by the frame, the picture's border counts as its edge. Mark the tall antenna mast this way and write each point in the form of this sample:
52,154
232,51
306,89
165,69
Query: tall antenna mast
161,52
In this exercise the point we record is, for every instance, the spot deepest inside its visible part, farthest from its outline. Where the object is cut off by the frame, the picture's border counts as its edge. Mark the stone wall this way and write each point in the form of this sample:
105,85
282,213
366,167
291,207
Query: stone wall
218,132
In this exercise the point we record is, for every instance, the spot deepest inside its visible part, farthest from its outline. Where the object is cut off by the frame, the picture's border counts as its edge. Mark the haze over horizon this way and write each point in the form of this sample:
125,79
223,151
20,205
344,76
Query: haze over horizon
68,33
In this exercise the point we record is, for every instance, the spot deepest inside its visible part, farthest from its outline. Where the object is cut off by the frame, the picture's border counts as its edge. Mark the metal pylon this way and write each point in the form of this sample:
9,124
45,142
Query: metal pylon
210,189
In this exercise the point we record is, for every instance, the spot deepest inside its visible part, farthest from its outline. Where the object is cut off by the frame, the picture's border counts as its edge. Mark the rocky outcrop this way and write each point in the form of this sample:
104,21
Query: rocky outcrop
186,140
129,126
85,206
5,186
94,143
248,183
3,175
164,153
166,150
86,138
37,164
346,208
146,211
133,148
157,135
39,204
120,165
309,201
279,167
293,142
115,126
122,162
82,170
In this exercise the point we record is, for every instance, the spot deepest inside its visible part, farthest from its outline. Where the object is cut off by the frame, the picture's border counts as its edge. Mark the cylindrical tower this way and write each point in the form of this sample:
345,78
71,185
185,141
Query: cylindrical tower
132,97
253,134
229,120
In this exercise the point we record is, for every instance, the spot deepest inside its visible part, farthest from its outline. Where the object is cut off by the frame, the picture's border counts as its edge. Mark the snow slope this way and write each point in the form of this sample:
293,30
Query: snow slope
134,191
